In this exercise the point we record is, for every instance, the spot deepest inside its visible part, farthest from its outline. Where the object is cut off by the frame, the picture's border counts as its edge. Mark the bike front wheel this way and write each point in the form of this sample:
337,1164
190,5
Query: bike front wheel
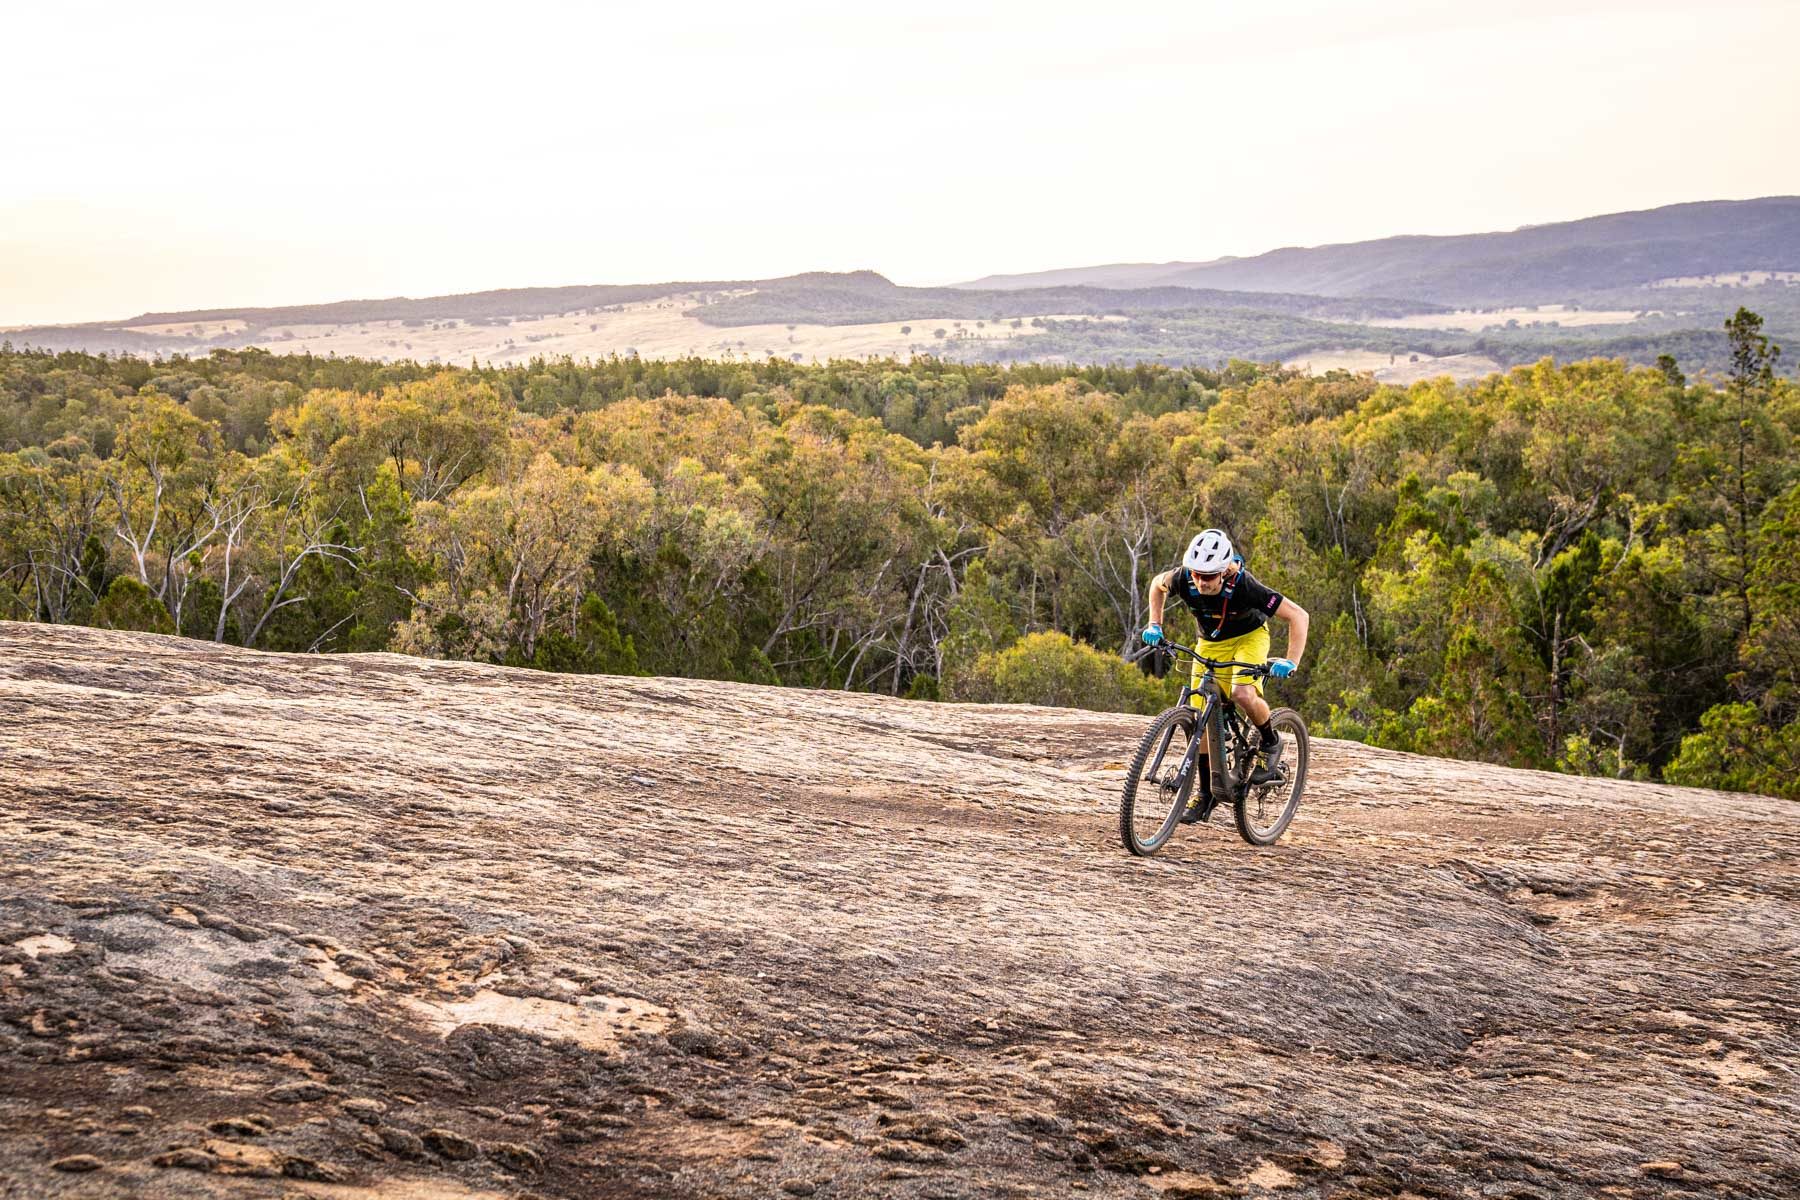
1265,810
1157,788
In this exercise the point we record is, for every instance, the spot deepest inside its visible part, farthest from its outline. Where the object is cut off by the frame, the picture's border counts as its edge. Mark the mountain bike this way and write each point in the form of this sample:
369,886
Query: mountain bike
1219,741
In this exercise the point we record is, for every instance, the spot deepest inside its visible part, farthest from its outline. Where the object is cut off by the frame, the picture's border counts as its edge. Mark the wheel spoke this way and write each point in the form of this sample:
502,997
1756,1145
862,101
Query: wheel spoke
1156,793
1265,812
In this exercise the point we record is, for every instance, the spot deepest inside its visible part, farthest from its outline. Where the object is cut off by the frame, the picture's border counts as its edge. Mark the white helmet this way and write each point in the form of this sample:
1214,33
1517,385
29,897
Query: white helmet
1208,552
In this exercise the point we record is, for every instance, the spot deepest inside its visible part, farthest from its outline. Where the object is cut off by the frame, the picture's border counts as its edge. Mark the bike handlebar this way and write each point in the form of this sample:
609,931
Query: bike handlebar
1259,669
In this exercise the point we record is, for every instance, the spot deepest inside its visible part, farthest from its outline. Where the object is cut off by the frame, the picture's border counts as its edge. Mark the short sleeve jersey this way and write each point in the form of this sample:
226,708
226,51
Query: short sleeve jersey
1242,605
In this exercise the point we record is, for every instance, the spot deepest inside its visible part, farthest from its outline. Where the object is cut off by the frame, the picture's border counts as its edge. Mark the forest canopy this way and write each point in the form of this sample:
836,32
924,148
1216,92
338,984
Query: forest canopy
1588,567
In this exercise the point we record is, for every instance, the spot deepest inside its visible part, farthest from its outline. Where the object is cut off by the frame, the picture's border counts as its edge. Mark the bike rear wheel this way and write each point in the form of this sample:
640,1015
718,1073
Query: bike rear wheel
1156,790
1264,811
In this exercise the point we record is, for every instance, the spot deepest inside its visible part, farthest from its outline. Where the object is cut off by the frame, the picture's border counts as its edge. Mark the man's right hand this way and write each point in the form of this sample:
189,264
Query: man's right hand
1152,635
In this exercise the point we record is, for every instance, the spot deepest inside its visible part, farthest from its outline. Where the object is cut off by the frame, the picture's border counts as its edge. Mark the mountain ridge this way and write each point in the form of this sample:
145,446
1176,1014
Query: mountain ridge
1331,269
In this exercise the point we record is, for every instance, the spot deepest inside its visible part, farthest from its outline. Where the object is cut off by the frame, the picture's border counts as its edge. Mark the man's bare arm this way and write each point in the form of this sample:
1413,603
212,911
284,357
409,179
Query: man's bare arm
1159,592
1297,621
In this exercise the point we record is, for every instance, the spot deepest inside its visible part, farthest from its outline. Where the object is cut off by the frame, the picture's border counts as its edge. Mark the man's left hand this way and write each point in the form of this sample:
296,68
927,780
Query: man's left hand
1281,668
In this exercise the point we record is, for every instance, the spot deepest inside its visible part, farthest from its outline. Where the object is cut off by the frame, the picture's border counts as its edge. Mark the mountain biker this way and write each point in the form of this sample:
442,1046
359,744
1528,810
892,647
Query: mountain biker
1233,608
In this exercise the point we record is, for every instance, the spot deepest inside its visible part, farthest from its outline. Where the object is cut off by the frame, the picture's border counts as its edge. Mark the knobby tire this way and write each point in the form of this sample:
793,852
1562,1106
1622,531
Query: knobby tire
1159,745
1264,813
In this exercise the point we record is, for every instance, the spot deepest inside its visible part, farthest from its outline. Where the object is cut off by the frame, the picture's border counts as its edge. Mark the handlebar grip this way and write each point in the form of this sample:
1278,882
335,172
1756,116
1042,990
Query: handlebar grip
1258,670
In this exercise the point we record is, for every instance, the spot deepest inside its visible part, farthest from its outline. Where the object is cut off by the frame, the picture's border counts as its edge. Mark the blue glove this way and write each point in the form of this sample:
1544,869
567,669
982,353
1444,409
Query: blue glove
1152,634
1281,668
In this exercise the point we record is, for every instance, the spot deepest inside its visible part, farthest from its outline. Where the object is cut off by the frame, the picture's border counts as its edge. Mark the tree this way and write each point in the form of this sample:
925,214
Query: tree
1119,548
594,646
128,604
357,584
163,480
1042,459
438,432
979,621
1737,751
1558,623
1771,648
272,517
1655,658
1480,707
1350,694
51,555
1594,430
510,555
1053,669
1740,458
1667,367
839,505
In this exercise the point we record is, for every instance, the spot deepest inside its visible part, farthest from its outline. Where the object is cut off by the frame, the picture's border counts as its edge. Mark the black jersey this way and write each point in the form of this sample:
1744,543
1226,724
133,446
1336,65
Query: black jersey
1241,605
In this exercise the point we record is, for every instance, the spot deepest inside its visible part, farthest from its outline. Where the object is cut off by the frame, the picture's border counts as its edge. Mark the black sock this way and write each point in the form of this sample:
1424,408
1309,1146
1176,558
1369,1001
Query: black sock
1268,733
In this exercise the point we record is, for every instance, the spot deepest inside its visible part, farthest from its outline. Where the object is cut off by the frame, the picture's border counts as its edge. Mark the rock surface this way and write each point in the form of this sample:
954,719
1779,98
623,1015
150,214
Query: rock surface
369,926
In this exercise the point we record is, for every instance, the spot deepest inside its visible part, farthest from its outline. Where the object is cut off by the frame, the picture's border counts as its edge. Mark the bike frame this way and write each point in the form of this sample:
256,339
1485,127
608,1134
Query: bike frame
1212,716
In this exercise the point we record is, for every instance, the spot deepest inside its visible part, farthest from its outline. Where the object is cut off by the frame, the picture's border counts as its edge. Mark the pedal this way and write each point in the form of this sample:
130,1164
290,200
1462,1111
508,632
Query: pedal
1279,774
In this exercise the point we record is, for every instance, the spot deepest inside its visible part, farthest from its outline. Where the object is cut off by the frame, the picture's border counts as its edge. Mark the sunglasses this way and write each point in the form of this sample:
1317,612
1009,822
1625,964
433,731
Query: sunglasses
1206,576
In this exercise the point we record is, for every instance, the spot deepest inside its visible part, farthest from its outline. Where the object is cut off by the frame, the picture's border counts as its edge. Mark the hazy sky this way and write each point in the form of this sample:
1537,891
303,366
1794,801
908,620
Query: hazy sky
182,155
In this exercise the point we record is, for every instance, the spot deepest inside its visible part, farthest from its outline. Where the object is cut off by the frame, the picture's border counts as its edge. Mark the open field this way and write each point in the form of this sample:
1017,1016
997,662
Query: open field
1729,279
650,329
191,328
1542,314
366,927
1395,368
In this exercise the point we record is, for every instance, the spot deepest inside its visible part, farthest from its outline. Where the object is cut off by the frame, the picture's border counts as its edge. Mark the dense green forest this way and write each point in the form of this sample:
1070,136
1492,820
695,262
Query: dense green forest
1589,567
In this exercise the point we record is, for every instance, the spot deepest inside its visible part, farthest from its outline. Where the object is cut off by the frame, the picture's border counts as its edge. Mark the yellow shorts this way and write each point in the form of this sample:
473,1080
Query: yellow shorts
1252,647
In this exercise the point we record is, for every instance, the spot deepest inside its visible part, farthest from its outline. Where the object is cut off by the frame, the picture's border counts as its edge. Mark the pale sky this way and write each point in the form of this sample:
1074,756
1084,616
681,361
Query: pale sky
186,155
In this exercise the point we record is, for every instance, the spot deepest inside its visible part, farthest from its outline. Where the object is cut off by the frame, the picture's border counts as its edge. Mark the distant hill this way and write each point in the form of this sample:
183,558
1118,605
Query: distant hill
1631,285
815,297
465,306
1118,275
1534,264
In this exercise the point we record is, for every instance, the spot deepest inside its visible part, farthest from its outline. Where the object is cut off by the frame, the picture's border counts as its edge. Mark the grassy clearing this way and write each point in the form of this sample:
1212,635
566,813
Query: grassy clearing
651,329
